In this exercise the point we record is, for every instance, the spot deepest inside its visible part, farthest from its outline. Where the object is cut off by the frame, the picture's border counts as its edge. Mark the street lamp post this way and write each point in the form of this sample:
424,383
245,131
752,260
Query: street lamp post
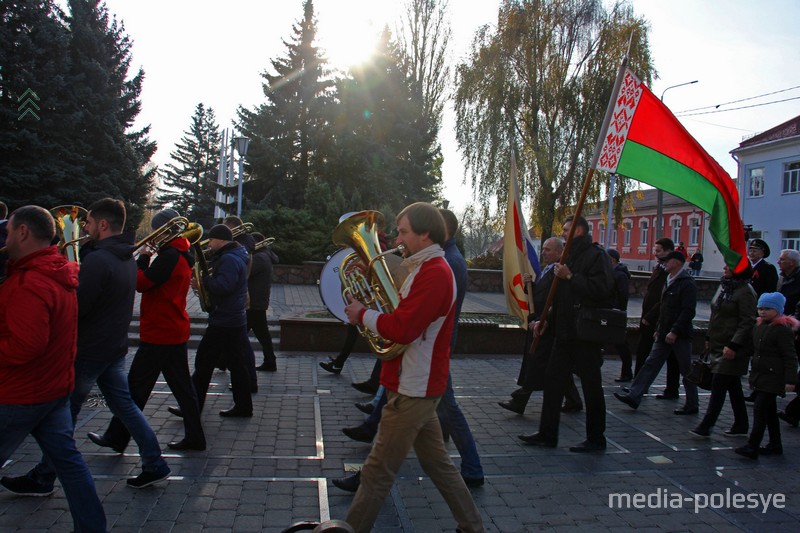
242,143
660,195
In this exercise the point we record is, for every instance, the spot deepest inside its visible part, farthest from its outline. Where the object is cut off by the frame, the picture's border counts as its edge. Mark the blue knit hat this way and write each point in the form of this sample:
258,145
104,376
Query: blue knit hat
772,300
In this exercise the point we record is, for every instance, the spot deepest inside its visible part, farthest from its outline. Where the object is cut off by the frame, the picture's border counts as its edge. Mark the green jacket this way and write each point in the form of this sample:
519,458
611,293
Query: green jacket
731,325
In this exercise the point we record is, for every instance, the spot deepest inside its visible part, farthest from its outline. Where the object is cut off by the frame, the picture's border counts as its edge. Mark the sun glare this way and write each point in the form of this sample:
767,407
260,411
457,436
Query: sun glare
349,31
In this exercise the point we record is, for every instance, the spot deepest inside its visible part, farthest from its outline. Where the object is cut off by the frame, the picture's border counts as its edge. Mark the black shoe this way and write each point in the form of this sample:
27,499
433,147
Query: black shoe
733,432
571,408
771,449
589,446
265,367
536,439
626,390
685,411
349,483
624,379
175,411
359,433
750,398
624,398
105,443
182,445
667,395
235,412
26,486
700,433
512,406
331,367
367,387
792,421
747,451
473,481
145,479
366,407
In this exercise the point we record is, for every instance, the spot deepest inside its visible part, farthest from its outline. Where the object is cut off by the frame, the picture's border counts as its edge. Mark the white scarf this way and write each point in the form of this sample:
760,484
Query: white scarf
413,262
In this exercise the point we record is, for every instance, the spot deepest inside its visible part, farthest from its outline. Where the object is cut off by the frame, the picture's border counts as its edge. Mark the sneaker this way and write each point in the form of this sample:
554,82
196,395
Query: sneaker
26,486
147,478
735,433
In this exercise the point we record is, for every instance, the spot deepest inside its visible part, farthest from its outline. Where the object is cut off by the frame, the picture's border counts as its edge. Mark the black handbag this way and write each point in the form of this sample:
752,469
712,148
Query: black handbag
700,373
602,325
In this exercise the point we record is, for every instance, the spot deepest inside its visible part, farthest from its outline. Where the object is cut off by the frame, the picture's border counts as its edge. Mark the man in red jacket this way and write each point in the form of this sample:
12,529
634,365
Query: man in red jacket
415,380
163,332
38,333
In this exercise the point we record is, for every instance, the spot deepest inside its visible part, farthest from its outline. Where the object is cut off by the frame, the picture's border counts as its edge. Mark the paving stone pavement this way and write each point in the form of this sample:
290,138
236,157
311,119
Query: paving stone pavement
265,473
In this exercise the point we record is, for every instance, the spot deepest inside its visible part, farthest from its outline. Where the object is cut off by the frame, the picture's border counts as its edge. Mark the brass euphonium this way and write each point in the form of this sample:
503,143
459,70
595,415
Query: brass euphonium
365,275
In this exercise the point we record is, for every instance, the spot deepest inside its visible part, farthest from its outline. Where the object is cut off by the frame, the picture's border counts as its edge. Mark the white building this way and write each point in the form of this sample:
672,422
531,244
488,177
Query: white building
769,186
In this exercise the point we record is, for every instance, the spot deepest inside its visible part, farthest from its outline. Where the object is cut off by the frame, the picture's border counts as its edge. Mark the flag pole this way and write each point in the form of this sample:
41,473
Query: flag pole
584,192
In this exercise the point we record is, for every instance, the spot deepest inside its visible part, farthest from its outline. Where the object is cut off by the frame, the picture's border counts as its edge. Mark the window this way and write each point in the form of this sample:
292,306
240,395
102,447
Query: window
694,231
627,239
602,231
756,182
614,232
791,178
643,233
676,229
790,240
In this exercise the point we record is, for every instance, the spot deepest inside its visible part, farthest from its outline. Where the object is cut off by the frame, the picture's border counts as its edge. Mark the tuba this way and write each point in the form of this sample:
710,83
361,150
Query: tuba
365,276
199,270
69,219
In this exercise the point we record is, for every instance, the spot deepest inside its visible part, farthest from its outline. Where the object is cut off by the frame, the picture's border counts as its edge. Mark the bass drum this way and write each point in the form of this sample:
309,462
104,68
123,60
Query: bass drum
330,284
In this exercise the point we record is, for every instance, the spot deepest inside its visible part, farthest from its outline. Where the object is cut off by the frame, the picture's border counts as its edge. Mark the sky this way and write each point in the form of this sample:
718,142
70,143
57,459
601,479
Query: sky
197,51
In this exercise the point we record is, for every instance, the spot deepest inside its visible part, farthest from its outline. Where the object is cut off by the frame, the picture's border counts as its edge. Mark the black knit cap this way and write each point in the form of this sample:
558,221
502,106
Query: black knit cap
221,232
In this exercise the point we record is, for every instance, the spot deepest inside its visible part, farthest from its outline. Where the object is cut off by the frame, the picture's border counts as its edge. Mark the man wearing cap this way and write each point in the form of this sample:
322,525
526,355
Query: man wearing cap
673,334
163,332
765,277
226,333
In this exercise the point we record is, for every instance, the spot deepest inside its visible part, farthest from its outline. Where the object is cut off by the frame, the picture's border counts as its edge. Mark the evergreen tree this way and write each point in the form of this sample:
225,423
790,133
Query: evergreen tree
385,144
191,179
113,157
288,131
36,160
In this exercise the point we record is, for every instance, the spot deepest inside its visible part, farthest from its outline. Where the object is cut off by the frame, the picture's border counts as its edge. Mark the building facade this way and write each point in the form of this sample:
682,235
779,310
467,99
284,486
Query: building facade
769,186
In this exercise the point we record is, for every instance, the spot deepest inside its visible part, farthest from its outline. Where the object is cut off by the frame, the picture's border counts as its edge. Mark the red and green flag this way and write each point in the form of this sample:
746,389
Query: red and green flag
642,139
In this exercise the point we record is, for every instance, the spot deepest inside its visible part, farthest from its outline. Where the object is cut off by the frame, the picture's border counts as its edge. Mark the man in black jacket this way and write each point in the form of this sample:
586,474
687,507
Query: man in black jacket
673,334
584,279
258,285
765,277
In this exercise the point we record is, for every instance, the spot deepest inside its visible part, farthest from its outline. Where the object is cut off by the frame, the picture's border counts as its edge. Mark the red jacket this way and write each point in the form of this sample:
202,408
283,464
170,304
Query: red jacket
423,321
164,284
38,328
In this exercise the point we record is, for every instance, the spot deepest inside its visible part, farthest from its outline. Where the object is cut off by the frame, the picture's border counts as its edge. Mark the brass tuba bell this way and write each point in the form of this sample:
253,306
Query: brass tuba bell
69,219
365,275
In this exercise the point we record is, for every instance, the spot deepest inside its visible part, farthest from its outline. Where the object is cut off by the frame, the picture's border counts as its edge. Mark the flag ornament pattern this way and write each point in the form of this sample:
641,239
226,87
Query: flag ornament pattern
645,141
519,254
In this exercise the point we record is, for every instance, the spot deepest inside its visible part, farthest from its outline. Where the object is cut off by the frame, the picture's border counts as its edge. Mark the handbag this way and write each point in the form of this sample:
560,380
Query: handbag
700,373
602,325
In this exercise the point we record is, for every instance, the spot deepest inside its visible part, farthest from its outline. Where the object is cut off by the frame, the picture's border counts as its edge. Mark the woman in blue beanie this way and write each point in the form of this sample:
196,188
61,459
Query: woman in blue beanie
773,372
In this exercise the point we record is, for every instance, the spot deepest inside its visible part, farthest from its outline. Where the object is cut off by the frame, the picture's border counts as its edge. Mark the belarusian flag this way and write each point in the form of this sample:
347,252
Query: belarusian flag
643,140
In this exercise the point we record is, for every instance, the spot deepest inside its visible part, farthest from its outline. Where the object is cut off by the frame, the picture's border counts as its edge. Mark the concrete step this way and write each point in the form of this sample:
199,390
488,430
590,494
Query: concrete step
198,327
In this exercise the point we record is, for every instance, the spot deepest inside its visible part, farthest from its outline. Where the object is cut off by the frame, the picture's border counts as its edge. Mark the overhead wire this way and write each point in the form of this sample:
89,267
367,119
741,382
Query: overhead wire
717,106
736,108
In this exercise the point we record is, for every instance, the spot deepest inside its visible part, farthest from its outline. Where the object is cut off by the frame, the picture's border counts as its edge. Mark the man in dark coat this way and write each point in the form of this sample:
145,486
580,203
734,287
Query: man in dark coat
673,334
259,285
765,277
584,279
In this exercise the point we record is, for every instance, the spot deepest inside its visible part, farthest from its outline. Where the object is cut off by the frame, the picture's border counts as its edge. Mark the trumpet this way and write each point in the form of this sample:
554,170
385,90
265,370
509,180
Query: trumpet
177,227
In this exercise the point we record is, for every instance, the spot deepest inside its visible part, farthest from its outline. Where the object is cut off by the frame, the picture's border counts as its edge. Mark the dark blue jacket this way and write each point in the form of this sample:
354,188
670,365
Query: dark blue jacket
227,285
678,305
459,267
621,286
106,288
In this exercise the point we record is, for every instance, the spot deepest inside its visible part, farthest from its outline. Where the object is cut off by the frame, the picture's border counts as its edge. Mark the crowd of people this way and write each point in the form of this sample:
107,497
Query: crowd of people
77,317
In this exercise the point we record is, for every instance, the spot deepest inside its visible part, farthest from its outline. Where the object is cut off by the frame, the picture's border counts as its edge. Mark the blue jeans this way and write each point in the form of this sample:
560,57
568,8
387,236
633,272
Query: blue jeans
652,366
113,383
51,425
454,423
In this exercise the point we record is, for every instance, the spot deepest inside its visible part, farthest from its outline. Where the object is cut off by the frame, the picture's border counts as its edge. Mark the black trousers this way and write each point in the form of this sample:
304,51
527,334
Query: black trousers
347,348
643,348
150,361
722,385
223,347
257,321
586,358
765,417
